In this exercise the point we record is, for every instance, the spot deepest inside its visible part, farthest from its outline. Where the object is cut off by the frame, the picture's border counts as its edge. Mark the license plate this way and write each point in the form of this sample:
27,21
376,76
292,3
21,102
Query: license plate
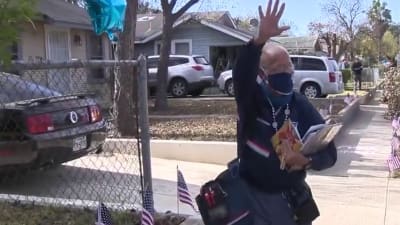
79,143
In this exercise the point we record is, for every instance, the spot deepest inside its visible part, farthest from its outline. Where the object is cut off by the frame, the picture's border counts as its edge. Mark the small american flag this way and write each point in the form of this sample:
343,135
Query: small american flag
148,210
393,162
183,192
103,215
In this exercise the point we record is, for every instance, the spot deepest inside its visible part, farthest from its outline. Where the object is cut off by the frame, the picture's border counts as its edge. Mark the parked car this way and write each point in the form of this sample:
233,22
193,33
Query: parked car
314,77
186,74
39,126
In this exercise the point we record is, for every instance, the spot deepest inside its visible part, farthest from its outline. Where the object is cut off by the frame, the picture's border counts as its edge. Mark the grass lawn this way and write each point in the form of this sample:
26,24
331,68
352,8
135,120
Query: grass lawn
18,214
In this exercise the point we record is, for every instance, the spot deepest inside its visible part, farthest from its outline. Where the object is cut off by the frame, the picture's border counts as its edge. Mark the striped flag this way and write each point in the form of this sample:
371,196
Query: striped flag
183,192
103,215
148,209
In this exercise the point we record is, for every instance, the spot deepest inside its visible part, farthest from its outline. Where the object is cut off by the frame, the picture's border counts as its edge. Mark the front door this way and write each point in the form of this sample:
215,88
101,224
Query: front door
58,50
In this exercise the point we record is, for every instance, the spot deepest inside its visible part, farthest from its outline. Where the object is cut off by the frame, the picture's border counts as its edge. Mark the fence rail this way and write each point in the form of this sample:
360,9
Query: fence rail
55,118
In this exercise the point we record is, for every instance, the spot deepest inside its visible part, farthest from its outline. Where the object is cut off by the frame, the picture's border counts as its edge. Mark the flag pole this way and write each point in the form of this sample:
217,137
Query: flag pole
177,191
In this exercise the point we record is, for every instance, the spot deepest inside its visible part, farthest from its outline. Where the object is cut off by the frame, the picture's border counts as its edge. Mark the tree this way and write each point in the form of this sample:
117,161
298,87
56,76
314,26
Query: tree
169,16
345,19
364,45
390,45
13,13
379,18
337,45
127,90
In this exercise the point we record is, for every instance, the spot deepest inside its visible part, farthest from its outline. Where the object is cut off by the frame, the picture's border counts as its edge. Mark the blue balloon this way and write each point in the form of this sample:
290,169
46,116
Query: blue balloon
107,16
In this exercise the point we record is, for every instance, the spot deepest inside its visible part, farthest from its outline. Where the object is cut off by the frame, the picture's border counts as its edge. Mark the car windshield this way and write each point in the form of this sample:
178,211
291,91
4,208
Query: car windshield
16,89
201,60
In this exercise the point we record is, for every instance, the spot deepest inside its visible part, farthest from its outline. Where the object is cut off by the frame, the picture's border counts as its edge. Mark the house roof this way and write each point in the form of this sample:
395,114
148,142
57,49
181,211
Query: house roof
62,13
236,33
304,42
149,26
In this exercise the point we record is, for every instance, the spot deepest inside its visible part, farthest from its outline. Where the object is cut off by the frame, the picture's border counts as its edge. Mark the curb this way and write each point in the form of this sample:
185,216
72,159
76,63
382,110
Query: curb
211,152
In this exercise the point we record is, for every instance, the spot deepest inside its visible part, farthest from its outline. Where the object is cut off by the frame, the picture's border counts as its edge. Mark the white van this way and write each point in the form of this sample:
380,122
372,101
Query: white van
314,77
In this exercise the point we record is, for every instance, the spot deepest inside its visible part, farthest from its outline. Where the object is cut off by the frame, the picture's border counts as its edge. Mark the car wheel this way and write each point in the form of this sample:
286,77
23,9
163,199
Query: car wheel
229,88
178,87
311,90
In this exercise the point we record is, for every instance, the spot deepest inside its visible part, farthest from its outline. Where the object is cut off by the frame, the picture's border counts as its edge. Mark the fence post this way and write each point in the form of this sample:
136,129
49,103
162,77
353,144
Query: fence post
144,125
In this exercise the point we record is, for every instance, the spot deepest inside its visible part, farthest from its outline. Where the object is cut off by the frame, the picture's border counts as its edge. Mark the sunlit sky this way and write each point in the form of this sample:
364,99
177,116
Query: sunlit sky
298,12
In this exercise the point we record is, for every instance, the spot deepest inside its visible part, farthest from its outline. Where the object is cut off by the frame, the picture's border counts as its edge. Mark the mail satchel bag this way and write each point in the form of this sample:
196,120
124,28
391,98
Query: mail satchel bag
222,200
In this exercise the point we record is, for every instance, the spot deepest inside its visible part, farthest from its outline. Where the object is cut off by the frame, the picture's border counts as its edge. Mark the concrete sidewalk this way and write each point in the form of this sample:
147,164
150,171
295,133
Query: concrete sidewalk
356,191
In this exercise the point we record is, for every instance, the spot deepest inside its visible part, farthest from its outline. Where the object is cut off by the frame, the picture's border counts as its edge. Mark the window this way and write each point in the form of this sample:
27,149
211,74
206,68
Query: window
174,61
295,62
201,60
312,64
333,64
157,48
152,63
95,52
14,51
181,47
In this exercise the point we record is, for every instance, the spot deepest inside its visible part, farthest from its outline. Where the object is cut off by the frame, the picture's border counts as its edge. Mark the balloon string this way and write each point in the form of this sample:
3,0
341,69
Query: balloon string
117,88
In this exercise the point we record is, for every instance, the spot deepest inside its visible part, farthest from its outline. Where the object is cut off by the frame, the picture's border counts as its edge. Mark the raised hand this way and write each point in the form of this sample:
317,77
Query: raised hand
269,22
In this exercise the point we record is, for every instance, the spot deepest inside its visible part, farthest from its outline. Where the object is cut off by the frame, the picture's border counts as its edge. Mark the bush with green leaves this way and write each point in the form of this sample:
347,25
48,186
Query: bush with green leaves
346,73
13,13
391,93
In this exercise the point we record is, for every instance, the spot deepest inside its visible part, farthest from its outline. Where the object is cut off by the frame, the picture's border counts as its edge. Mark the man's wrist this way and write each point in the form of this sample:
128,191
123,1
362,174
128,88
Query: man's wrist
259,42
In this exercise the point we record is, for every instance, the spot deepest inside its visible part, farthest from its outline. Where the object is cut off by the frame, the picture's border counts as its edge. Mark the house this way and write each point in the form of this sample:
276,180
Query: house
211,34
62,32
304,45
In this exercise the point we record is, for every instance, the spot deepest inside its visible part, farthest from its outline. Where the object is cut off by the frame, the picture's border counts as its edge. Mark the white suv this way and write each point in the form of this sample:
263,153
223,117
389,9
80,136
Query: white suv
186,74
314,77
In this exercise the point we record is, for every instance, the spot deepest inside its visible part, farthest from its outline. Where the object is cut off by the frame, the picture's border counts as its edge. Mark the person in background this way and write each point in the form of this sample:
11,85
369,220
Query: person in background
357,71
265,100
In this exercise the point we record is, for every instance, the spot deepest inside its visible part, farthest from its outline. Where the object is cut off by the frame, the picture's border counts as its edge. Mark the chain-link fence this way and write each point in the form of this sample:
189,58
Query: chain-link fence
60,134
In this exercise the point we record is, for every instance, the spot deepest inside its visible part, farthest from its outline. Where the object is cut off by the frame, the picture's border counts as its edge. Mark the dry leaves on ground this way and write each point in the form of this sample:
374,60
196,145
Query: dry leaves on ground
205,129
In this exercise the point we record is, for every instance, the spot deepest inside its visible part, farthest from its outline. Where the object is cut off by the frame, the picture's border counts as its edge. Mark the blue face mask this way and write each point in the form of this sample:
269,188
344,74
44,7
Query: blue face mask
281,83
279,89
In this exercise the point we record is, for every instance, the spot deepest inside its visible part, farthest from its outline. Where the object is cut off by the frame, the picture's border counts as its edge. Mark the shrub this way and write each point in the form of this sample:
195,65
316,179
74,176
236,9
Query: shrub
391,91
346,75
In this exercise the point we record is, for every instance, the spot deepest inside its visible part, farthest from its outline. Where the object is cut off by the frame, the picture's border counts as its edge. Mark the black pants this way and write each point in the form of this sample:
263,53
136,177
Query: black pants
357,79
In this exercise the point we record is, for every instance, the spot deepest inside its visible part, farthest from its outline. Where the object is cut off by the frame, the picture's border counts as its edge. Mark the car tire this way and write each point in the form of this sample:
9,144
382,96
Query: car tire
178,87
311,90
229,89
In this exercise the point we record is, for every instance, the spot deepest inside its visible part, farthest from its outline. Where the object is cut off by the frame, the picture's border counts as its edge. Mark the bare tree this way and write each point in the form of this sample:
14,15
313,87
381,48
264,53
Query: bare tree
337,45
170,17
345,17
127,90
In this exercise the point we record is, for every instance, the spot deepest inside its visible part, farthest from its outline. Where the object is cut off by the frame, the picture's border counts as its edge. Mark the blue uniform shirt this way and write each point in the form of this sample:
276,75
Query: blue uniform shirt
259,164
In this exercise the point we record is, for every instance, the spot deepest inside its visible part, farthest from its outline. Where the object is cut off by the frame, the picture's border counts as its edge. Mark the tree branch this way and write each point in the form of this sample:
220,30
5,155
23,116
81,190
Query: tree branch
172,4
184,8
